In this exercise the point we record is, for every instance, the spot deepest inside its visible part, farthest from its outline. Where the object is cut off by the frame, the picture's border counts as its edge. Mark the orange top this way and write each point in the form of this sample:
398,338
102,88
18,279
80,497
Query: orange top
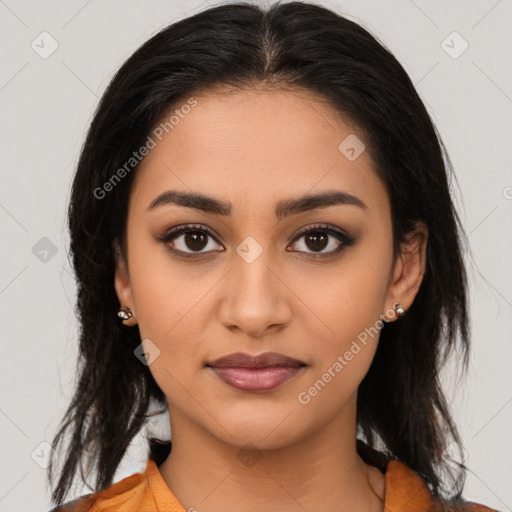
148,492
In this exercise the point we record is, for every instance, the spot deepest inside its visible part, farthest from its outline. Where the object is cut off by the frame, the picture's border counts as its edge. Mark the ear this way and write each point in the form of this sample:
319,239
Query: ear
408,271
122,284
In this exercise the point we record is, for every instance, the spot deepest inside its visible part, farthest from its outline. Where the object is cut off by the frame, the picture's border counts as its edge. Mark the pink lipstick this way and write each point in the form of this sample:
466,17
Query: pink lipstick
263,372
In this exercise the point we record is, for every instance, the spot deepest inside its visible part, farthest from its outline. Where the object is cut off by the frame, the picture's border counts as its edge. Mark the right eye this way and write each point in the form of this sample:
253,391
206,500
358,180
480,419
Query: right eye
189,236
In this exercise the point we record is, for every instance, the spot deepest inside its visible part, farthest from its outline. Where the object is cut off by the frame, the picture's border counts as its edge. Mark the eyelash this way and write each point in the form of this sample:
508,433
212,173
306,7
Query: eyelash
344,239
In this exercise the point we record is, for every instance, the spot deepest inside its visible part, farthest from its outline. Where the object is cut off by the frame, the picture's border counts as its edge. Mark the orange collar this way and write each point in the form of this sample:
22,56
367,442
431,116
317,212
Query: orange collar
405,492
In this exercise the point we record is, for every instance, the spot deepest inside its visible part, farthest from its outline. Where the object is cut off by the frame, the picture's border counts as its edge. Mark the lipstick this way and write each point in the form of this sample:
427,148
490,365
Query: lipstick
263,372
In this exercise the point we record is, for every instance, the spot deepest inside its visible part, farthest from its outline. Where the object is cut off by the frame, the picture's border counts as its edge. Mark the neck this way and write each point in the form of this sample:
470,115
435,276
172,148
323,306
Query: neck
322,471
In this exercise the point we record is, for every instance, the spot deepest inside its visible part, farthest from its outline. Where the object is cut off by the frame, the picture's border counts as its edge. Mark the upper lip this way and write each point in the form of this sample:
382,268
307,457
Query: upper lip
266,359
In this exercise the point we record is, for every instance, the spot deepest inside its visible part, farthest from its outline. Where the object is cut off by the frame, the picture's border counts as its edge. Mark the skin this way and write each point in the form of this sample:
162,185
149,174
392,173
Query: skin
254,148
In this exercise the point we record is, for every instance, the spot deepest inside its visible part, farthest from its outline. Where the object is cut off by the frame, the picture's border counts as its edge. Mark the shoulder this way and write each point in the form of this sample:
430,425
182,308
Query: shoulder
405,489
120,490
81,504
467,506
464,506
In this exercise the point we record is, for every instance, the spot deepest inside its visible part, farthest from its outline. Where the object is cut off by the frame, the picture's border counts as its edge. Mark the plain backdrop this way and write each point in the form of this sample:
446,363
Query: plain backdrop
458,56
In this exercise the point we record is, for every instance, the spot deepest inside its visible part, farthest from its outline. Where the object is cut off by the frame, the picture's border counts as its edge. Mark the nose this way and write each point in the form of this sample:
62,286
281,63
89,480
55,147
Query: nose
255,299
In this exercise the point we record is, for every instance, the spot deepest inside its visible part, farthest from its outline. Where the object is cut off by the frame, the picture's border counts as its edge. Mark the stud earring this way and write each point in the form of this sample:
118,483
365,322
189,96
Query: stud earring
127,316
124,313
399,310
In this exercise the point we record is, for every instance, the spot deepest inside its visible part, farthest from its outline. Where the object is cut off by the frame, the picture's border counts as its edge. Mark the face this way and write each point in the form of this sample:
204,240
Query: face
264,270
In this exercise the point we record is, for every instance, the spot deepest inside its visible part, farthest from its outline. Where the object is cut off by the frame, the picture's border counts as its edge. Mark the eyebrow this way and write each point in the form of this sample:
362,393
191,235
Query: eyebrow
284,208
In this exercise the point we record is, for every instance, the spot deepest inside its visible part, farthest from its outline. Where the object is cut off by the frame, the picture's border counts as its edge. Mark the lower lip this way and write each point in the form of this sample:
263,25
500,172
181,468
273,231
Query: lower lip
256,379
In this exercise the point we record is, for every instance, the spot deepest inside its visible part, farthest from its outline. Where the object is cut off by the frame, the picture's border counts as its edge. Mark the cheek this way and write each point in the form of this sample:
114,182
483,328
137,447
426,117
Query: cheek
344,352
348,298
347,303
171,310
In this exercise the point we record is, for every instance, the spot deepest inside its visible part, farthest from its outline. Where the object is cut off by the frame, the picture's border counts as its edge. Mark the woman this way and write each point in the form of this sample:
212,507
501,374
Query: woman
263,200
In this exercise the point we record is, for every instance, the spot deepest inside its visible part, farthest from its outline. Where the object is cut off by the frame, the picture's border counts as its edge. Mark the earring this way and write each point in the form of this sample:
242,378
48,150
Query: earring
399,310
124,313
127,316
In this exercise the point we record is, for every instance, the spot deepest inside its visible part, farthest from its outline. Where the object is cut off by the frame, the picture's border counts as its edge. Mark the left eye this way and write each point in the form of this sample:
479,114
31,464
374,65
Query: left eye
316,239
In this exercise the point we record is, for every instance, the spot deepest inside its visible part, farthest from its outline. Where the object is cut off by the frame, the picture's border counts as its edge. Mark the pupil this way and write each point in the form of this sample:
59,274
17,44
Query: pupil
194,239
319,241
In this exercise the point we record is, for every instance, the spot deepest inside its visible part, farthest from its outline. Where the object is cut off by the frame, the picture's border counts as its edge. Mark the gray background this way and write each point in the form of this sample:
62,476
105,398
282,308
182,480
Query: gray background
46,106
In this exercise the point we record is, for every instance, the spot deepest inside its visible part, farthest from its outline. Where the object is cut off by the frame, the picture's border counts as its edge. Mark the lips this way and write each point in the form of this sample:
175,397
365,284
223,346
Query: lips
265,360
263,372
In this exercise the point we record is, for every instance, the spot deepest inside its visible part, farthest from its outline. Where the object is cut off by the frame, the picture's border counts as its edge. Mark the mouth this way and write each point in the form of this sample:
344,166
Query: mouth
263,372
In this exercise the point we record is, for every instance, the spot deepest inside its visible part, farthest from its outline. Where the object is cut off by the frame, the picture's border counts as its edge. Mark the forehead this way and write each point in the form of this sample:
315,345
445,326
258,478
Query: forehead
256,146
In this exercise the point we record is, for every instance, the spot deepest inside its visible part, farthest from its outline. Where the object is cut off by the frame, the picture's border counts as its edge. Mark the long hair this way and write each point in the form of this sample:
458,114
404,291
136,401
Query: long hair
401,410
